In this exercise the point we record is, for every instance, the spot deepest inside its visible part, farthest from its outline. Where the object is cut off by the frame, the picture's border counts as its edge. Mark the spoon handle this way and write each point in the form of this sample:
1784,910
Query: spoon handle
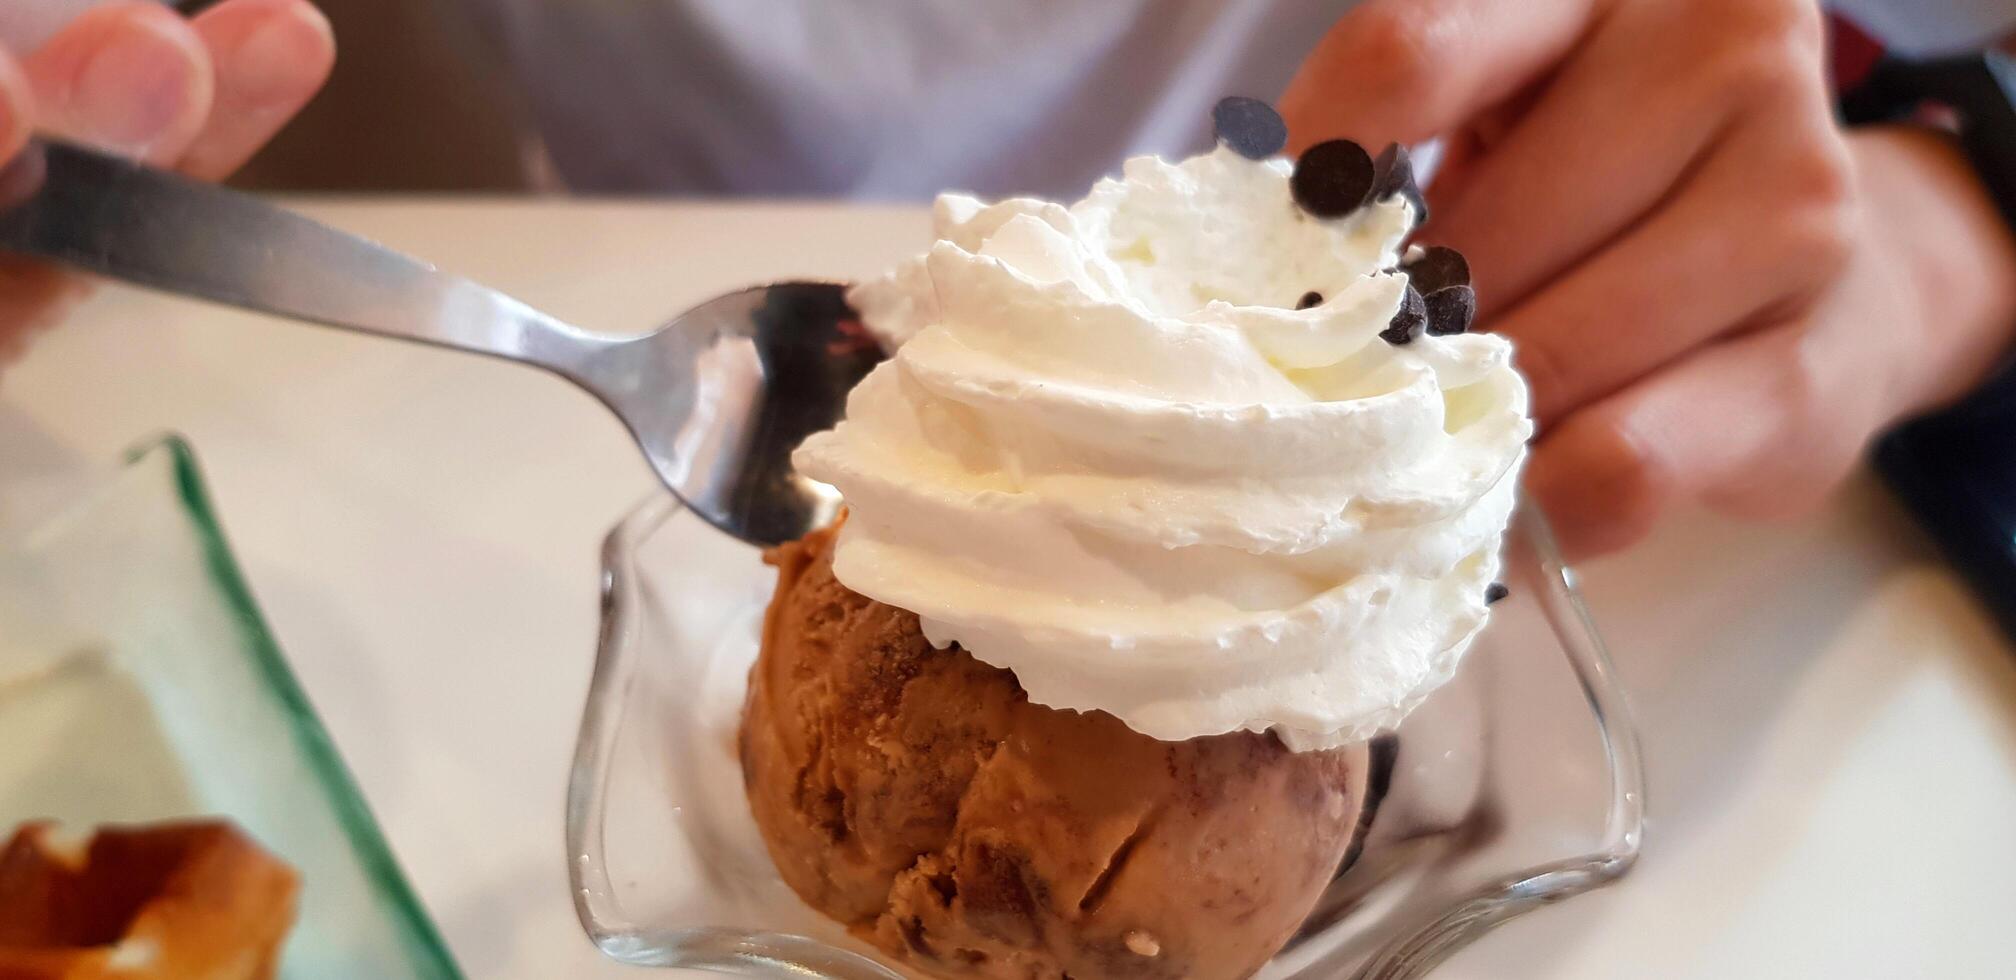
152,228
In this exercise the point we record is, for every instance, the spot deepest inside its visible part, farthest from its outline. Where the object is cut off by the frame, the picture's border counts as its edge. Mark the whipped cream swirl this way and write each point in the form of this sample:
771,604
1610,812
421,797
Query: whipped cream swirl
1110,456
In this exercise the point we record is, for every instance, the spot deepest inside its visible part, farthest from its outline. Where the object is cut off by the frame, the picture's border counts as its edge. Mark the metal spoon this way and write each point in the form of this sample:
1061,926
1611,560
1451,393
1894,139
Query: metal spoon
717,397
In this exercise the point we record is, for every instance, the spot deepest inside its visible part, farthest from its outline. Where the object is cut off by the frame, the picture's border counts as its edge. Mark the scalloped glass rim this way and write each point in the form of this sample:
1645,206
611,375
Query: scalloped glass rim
1409,947
165,465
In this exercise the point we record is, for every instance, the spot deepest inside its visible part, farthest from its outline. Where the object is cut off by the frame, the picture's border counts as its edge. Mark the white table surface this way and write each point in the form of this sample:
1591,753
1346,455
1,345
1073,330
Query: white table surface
1829,719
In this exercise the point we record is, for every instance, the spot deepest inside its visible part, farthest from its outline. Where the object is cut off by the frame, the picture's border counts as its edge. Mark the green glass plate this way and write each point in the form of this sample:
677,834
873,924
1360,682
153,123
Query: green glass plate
139,682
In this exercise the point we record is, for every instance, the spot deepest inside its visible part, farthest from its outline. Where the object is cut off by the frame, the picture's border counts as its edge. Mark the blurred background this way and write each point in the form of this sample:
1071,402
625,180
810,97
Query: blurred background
458,126
860,99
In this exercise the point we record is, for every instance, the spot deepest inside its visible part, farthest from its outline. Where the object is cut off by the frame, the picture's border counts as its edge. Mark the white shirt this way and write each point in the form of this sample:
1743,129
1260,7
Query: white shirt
900,99
1922,27
885,99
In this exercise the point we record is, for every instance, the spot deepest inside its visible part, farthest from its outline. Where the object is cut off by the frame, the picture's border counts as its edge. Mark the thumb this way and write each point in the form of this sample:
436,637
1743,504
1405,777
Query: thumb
1409,70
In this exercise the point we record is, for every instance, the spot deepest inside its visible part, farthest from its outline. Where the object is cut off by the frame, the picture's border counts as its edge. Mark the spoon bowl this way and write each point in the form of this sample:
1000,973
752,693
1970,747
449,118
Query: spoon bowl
720,396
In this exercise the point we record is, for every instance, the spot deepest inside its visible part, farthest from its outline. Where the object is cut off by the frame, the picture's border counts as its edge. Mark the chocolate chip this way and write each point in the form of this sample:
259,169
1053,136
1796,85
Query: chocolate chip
1437,267
1309,299
1393,173
1450,310
1494,592
1249,126
1332,179
1408,320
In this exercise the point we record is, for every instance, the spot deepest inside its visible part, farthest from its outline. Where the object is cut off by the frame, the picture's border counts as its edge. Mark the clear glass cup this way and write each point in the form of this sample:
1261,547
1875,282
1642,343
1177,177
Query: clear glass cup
1515,786
138,682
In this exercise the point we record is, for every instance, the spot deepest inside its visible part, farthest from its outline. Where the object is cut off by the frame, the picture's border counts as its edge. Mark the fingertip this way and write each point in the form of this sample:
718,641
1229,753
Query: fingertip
1536,362
272,56
1601,488
129,76
269,51
250,11
1367,79
90,35
17,113
320,40
1407,70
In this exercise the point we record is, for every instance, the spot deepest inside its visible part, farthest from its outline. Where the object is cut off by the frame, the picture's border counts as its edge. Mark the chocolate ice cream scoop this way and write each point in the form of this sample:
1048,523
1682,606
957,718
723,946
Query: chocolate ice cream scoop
917,796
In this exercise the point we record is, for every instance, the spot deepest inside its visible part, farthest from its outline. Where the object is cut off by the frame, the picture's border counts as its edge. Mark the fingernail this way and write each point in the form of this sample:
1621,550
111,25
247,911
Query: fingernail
267,65
132,90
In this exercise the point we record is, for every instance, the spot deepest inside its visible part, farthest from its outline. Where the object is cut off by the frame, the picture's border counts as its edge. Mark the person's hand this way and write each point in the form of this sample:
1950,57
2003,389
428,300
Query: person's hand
198,95
1717,294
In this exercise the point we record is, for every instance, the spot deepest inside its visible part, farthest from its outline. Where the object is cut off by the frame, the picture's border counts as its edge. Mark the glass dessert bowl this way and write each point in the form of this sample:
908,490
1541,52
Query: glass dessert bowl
1515,785
1170,516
